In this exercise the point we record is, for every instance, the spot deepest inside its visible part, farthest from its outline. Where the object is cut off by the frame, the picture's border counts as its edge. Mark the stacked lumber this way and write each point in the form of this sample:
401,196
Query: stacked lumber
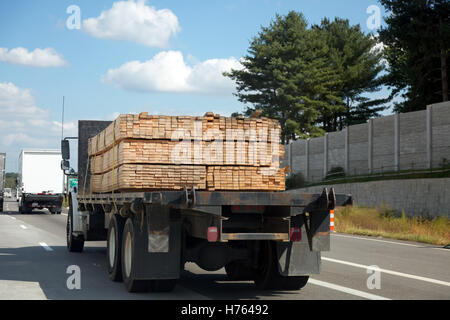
142,152
245,178
165,151
144,126
149,177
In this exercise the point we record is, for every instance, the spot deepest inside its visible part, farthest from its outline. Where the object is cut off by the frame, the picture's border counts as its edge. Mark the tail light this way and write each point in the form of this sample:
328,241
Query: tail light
296,234
213,234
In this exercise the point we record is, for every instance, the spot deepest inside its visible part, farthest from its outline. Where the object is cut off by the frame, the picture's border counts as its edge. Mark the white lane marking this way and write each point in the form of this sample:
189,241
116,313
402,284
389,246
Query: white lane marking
23,227
386,241
45,246
64,214
377,240
395,273
347,290
12,218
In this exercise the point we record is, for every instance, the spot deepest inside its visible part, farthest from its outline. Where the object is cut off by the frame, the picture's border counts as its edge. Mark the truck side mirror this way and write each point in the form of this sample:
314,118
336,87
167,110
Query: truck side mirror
65,165
65,149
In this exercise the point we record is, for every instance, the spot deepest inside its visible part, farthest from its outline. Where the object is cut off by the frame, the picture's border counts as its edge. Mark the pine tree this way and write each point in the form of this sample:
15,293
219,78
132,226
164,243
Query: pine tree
358,62
288,76
417,41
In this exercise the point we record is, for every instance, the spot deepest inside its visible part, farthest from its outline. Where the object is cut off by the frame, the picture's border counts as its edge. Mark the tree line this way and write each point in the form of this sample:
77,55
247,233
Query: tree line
316,79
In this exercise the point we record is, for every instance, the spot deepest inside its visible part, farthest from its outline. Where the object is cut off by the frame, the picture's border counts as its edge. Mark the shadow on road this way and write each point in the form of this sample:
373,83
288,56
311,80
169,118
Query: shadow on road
41,274
218,286
49,270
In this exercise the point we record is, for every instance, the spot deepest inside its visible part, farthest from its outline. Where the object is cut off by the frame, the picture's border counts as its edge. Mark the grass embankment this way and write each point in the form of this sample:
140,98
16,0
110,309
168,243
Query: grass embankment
384,223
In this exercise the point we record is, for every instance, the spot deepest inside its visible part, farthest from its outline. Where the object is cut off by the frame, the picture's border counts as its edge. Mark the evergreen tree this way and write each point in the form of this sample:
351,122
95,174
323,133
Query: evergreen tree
417,41
311,80
357,60
288,76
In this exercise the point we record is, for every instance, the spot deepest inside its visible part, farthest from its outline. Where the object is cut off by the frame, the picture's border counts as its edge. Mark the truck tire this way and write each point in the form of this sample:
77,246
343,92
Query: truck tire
128,244
1,206
23,209
114,247
74,243
267,275
237,271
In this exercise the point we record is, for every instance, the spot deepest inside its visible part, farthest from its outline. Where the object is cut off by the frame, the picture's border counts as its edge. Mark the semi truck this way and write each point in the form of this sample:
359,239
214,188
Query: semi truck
40,180
7,193
2,179
274,239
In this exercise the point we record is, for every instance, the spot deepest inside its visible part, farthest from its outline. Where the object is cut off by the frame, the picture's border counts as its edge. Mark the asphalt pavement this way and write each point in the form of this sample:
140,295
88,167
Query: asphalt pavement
35,264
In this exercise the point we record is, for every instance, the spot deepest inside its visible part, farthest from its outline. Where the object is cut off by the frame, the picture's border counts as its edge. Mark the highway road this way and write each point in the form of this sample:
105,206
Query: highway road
34,263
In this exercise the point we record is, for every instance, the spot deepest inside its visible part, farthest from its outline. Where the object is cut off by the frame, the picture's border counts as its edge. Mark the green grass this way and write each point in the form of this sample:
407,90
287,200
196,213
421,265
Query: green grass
384,223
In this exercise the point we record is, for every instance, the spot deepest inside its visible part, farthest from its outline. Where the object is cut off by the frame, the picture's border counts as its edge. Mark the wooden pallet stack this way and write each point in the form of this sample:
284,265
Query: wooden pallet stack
144,152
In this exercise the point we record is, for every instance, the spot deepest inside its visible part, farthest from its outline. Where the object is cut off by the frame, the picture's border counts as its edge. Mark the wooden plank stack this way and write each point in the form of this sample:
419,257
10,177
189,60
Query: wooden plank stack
144,152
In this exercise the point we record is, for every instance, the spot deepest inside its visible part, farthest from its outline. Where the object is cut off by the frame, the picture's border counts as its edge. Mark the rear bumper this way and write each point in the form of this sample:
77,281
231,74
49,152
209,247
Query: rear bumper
42,201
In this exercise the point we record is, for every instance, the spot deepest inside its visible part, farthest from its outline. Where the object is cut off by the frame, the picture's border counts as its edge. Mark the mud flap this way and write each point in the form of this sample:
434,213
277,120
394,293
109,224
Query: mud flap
304,257
296,259
162,264
319,228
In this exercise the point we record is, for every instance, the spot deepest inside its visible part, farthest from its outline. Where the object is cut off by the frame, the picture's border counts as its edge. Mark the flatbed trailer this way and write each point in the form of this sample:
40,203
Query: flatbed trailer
272,238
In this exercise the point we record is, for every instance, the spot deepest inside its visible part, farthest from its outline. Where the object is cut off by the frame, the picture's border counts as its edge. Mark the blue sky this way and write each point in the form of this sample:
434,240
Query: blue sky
92,66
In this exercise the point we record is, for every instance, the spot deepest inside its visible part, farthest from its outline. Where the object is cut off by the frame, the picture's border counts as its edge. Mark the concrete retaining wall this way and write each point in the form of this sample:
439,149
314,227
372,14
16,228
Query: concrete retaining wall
403,141
417,197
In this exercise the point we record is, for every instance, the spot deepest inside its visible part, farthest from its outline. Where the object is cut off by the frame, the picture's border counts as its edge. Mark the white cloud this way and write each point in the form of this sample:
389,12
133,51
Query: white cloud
17,101
134,21
168,72
113,116
67,126
37,58
25,125
20,138
379,47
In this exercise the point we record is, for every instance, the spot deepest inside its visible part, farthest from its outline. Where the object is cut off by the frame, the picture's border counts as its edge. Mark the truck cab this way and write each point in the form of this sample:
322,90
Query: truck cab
7,193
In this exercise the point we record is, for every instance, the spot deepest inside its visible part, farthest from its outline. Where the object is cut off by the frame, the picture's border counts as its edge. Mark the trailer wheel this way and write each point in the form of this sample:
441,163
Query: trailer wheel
267,275
114,247
74,244
1,206
23,209
128,244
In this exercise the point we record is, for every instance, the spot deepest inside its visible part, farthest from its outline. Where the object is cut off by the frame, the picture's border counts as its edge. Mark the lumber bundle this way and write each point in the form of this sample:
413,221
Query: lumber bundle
149,177
245,178
142,152
144,126
208,153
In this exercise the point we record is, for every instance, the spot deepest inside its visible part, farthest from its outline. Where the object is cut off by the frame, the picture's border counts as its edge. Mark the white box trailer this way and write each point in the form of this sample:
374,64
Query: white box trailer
2,178
40,180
